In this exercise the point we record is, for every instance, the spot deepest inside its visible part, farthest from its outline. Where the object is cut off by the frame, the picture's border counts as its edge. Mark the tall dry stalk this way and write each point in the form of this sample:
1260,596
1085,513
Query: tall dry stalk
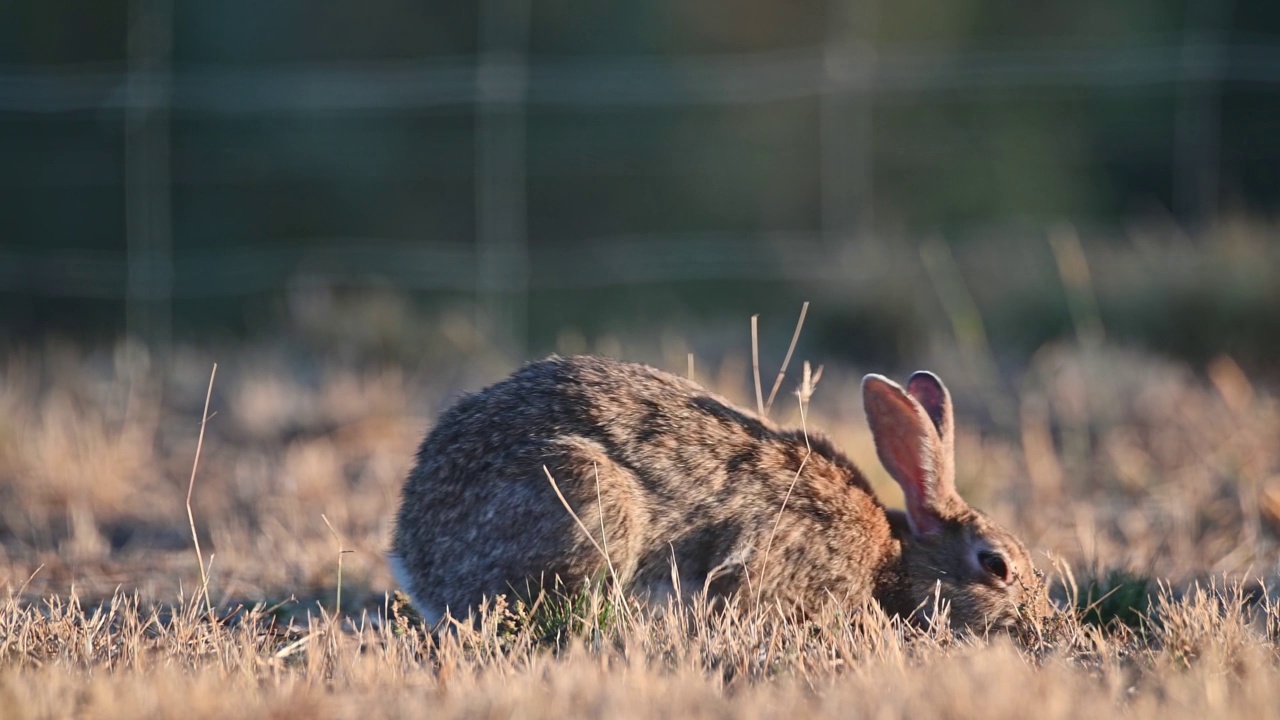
191,486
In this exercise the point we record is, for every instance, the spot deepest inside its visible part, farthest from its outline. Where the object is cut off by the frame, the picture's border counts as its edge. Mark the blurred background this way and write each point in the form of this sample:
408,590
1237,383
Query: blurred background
546,172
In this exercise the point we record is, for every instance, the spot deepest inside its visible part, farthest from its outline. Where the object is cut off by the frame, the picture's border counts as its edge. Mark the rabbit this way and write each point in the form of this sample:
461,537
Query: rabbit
659,471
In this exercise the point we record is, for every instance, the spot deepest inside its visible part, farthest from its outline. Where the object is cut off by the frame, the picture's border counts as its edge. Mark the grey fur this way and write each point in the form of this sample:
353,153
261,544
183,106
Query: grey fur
677,473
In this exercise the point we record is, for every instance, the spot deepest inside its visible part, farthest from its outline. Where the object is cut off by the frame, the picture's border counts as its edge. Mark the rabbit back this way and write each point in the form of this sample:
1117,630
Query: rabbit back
658,471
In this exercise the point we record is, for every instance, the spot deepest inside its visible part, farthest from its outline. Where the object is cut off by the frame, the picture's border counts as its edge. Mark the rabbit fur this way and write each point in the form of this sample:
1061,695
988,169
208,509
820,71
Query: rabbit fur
661,471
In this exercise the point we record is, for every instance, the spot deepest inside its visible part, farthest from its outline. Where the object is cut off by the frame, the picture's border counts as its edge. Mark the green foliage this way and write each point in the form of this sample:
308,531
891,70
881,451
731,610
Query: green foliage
1115,597
560,613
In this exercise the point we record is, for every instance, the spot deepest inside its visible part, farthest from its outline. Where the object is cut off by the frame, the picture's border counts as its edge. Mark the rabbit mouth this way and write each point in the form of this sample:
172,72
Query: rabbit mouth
1015,624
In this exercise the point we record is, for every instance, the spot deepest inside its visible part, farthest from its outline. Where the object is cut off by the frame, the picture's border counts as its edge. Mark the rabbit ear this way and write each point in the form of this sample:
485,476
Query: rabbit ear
910,447
933,396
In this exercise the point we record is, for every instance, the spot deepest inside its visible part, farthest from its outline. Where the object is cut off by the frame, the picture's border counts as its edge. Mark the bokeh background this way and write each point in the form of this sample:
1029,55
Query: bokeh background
359,210
539,167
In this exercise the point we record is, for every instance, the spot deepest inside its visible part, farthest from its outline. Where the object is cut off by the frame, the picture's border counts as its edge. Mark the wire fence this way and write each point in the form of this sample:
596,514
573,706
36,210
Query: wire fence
465,82
501,86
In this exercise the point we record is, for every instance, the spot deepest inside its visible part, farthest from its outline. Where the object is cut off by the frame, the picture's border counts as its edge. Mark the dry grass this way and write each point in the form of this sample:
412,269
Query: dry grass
1210,652
1156,489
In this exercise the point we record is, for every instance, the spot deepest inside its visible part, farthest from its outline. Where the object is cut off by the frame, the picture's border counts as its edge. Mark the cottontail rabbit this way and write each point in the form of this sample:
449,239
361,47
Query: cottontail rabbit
661,471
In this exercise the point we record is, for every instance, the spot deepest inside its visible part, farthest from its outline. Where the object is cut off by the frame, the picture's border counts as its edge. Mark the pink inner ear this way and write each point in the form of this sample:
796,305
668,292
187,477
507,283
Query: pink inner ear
923,520
926,389
906,463
905,442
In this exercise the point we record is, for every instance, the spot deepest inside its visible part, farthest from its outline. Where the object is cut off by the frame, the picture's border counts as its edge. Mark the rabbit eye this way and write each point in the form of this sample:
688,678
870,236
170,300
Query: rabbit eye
994,564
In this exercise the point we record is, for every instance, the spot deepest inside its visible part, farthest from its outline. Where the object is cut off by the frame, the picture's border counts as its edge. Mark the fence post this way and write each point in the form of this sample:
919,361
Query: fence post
1197,121
148,215
502,253
845,120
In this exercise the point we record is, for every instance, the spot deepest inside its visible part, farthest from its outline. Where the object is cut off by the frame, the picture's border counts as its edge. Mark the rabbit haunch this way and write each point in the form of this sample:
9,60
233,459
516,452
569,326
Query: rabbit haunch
661,471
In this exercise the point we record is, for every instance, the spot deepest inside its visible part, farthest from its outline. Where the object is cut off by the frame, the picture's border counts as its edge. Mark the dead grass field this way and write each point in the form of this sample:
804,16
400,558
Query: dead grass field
1154,488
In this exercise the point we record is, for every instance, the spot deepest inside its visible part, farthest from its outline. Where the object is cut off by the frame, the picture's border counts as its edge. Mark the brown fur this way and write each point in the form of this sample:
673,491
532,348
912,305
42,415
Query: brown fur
677,474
